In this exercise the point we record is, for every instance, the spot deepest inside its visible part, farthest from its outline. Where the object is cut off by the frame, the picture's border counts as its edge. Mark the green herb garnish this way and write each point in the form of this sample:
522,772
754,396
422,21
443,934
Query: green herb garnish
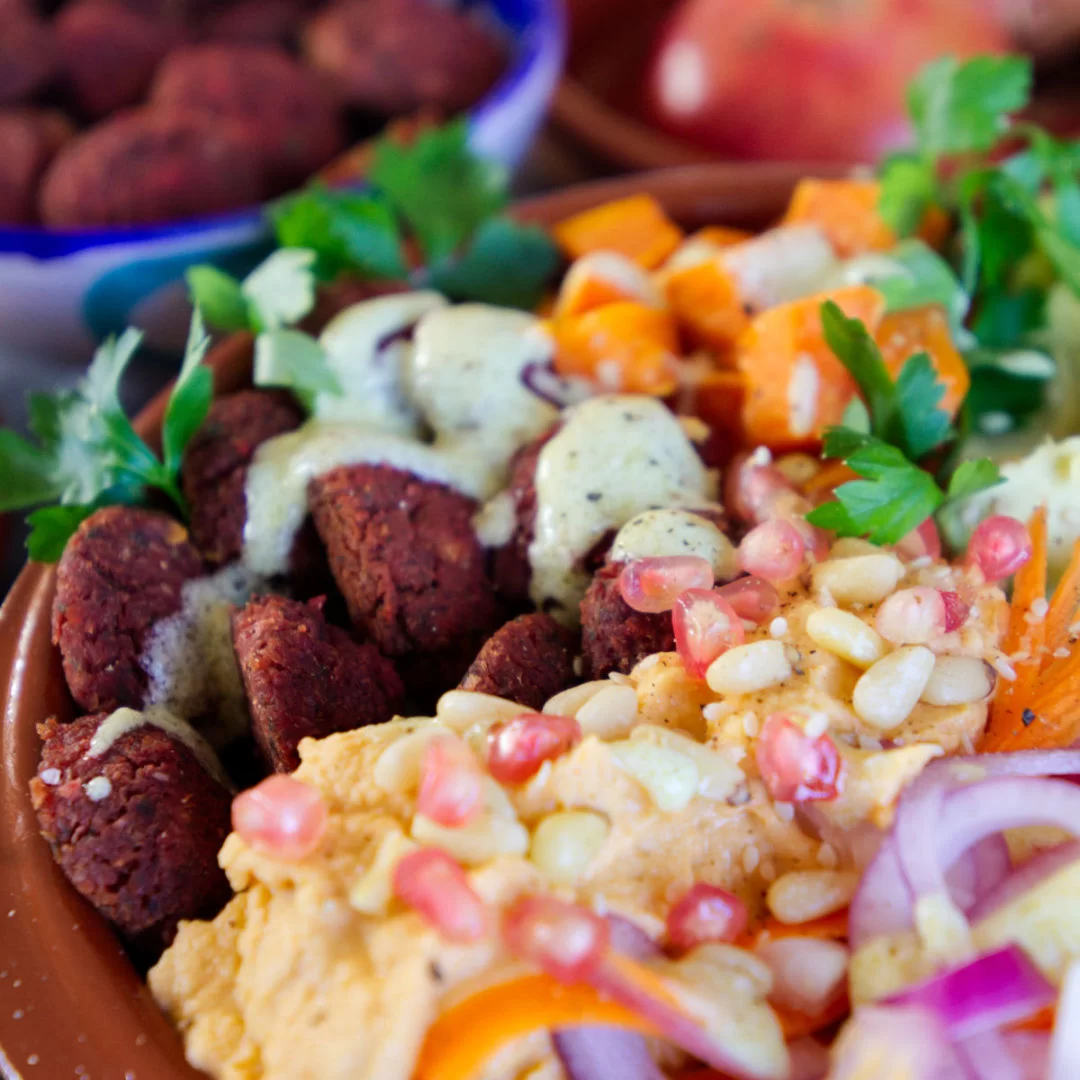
899,424
88,454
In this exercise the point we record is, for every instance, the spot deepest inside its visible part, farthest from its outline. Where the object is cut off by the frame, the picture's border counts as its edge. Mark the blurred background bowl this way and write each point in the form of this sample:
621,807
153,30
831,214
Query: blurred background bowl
61,291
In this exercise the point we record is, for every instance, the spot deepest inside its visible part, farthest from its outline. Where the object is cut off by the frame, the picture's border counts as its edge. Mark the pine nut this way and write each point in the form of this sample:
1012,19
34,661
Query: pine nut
610,713
460,709
959,680
567,702
848,546
671,778
885,695
803,895
397,770
846,636
859,579
481,840
749,668
565,844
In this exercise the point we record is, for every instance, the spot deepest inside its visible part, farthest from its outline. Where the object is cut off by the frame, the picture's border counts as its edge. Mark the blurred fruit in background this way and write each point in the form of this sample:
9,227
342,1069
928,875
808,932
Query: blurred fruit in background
822,80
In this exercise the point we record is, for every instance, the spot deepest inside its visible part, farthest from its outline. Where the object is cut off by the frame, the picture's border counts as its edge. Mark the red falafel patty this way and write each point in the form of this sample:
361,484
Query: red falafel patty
529,660
216,464
120,573
397,56
29,138
615,637
283,107
135,828
255,22
304,677
27,55
404,555
152,165
108,53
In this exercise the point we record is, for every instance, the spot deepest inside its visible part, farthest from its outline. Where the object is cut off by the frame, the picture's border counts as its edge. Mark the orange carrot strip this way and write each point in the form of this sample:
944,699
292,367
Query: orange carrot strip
1043,1020
636,227
467,1035
1006,729
1063,606
829,927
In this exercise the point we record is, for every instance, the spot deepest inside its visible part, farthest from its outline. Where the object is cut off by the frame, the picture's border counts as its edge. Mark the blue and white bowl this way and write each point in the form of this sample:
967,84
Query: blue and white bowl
61,291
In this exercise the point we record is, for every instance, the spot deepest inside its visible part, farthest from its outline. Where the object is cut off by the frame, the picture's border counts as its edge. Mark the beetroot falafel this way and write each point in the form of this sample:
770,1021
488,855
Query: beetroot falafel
305,678
28,55
151,165
29,139
529,660
135,827
398,56
108,53
284,108
406,558
120,573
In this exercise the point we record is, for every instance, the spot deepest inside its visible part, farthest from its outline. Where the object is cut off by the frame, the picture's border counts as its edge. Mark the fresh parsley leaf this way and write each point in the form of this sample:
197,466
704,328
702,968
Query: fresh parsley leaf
30,474
1005,317
908,190
1007,387
295,360
51,527
439,187
219,296
506,264
972,477
853,346
856,416
960,106
349,233
190,399
280,291
925,425
894,497
842,442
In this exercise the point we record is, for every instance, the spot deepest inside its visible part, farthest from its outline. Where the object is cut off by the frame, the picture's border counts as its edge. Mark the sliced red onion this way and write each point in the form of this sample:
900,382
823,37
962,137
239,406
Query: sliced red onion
1025,878
1031,1049
986,1056
809,1059
909,1039
998,988
1065,1046
809,974
541,380
979,872
629,939
603,1053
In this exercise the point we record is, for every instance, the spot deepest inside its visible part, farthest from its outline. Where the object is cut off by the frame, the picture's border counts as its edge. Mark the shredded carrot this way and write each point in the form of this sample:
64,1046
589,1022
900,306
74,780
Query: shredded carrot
1063,607
636,227
829,927
1043,1020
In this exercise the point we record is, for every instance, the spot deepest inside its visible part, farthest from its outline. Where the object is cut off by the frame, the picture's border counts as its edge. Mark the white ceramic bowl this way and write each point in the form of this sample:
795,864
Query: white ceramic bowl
61,291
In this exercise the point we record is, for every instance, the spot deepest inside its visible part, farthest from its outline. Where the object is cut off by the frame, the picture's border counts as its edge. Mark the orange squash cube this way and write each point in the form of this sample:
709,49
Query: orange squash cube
636,227
925,329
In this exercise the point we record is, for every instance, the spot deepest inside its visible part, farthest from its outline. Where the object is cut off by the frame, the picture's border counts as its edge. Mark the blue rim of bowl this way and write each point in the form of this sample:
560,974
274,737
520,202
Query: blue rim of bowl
539,40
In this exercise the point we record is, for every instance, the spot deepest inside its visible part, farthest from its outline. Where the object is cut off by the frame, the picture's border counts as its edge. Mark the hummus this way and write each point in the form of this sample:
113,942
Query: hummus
315,971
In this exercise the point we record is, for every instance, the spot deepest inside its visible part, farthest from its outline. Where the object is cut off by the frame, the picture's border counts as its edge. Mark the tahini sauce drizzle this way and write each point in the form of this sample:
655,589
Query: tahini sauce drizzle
117,724
662,533
615,457
462,376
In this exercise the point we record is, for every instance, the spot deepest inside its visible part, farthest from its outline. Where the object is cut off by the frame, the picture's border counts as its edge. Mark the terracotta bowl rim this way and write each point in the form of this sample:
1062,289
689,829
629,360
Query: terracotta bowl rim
71,1003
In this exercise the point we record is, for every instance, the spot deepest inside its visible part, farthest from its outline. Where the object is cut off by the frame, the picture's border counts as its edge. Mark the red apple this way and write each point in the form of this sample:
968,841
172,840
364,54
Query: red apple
804,80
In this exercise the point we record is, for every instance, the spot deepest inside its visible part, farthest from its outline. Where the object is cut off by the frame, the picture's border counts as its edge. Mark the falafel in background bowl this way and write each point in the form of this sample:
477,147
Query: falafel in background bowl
108,218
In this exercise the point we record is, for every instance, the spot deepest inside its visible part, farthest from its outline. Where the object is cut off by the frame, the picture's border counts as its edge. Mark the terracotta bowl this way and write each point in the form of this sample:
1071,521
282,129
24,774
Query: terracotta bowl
71,1004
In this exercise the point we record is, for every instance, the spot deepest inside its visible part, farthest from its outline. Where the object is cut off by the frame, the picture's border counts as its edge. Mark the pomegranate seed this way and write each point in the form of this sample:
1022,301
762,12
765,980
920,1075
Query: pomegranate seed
924,541
435,886
281,817
815,540
566,941
999,547
653,585
752,598
705,625
518,747
751,491
451,782
706,913
912,616
773,550
956,611
795,767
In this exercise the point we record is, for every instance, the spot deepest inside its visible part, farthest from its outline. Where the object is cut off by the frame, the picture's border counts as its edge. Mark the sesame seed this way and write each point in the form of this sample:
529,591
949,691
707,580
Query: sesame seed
768,872
920,563
50,777
868,742
778,628
1002,666
784,811
761,456
1040,607
817,723
713,711
98,788
1061,652
750,724
750,859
